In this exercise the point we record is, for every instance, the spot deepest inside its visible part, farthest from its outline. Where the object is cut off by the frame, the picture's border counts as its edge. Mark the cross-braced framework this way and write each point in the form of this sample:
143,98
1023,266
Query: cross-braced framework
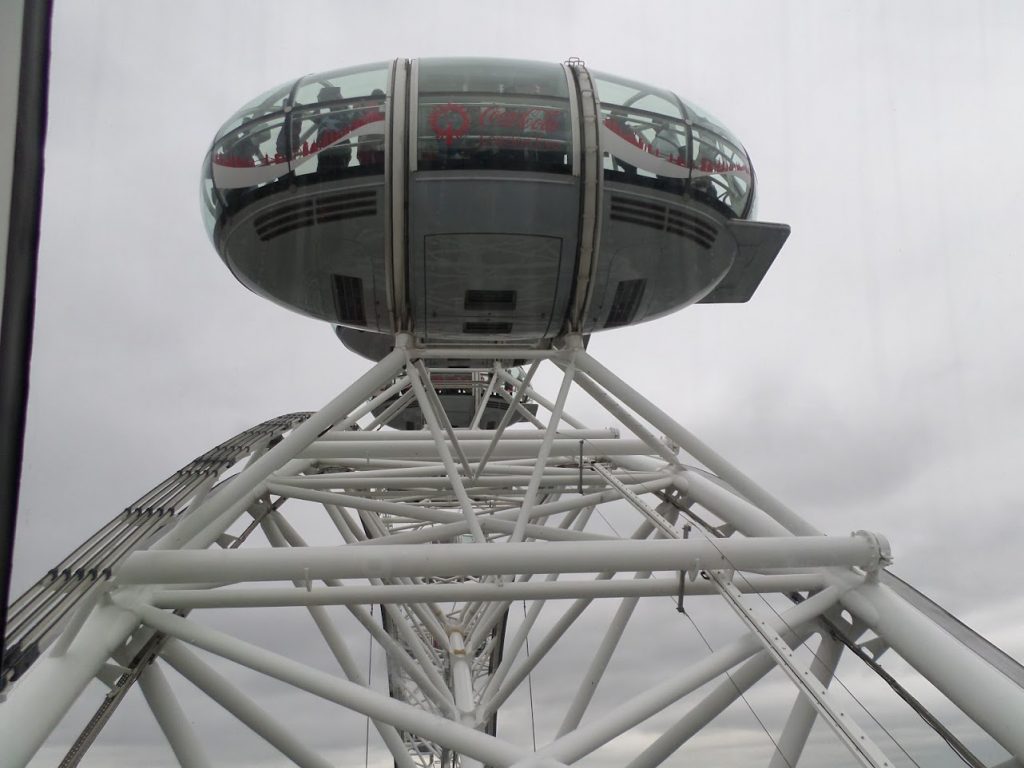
445,528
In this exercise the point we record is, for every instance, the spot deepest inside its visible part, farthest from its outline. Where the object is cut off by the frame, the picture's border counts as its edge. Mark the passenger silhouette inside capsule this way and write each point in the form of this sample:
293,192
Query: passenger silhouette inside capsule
335,151
370,145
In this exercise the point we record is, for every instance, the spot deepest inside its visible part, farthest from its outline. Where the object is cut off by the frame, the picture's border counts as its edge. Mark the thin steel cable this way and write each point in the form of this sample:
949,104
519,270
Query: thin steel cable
711,649
760,722
710,538
835,676
369,685
529,685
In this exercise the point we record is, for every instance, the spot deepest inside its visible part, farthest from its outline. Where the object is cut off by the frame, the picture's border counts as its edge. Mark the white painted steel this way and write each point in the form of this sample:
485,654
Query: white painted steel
339,649
601,730
484,399
987,696
389,494
733,509
468,591
832,713
538,398
38,703
470,434
802,716
342,480
458,522
442,449
736,684
247,486
259,721
172,718
543,454
692,445
514,405
334,689
631,423
452,560
474,449
422,671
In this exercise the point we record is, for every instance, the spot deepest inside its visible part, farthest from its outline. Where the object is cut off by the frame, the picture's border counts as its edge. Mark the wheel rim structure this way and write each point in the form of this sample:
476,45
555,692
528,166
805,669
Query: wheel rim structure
444,529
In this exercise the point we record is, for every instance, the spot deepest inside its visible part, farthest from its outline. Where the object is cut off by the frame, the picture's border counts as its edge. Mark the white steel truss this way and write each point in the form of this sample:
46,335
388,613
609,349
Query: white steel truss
443,530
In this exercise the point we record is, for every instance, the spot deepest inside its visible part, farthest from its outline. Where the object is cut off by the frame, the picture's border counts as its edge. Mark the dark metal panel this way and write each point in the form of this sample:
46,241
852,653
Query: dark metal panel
495,231
759,244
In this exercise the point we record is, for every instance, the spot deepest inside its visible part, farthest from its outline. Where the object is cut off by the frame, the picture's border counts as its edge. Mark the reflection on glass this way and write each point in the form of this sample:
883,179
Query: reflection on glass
521,135
350,83
337,134
675,156
492,76
330,138
250,156
493,114
640,148
209,204
721,173
266,103
620,92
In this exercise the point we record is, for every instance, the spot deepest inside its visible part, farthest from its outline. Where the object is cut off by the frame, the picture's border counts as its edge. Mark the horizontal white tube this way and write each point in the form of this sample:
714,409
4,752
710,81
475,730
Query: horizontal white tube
354,435
339,480
447,560
473,449
469,591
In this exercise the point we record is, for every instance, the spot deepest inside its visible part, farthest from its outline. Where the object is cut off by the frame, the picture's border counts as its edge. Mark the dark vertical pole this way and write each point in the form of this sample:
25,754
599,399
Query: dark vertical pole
20,272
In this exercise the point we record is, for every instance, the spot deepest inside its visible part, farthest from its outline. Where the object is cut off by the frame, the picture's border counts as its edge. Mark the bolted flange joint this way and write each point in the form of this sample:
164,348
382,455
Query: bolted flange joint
881,550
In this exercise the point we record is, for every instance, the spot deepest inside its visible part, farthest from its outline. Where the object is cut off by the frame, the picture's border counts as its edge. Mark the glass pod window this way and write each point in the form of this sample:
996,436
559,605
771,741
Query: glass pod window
645,137
268,103
646,149
721,173
337,125
493,113
248,158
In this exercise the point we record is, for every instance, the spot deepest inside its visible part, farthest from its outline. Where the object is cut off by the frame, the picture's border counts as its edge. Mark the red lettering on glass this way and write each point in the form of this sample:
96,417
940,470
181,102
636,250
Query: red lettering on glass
449,122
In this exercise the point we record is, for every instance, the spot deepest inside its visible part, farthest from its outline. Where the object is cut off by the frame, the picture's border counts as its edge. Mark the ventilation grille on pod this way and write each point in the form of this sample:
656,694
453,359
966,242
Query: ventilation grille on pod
645,213
317,210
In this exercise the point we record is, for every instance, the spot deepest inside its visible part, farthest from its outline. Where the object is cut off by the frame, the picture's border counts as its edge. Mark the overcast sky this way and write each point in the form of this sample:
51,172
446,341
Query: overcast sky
873,381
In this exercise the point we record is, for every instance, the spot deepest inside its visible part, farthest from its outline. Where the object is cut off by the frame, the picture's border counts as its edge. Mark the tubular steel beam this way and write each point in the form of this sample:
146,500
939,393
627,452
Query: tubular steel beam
452,560
693,446
374,705
987,696
259,721
468,592
721,697
816,693
599,731
172,718
802,716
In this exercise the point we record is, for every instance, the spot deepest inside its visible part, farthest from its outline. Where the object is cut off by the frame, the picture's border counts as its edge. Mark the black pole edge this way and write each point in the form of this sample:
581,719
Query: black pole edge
20,280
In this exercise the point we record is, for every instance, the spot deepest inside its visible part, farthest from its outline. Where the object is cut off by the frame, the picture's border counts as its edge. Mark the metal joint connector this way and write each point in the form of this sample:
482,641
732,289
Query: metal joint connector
882,551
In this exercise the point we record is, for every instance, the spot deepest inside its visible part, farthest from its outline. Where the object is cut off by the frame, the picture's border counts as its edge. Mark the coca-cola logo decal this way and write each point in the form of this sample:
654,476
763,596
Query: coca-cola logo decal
449,122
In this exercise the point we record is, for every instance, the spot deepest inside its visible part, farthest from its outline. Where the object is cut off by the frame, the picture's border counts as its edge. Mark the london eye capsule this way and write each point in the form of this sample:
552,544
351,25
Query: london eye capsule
483,201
